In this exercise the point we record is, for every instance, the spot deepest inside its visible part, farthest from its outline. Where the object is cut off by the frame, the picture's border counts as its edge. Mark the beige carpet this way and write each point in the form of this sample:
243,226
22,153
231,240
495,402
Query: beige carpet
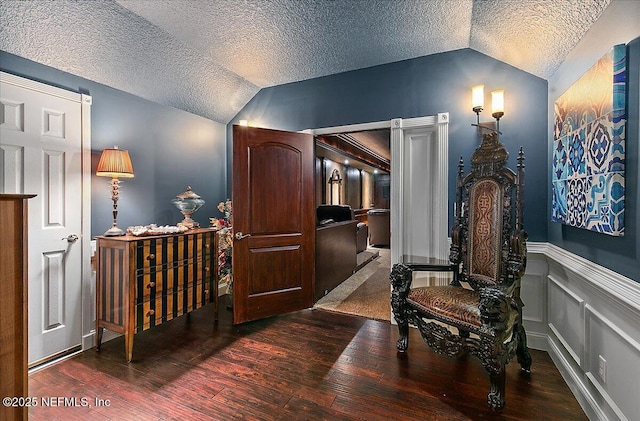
366,293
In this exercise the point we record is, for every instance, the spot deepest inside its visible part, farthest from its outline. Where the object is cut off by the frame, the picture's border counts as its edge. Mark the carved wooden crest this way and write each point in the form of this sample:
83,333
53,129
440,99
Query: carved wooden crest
490,157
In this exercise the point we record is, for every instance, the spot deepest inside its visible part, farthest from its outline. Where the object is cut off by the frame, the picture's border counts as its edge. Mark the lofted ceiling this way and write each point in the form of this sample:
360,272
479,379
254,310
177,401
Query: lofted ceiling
210,57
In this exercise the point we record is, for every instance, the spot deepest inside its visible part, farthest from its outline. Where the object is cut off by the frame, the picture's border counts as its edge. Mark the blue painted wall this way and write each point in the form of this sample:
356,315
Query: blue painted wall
421,87
170,149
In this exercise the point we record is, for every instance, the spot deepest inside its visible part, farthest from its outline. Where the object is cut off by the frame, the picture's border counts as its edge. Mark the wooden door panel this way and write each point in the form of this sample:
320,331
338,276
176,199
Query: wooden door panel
267,261
281,167
274,207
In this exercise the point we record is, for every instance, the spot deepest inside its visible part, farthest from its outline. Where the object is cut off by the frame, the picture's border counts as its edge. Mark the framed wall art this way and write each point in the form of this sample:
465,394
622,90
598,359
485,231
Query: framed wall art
588,159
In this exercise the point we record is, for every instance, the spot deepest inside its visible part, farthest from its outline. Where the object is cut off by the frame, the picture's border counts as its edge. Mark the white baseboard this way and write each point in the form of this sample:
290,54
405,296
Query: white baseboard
573,380
536,340
88,341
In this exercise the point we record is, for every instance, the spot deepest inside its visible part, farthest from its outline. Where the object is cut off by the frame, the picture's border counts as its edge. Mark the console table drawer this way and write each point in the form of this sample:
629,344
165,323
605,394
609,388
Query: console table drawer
158,252
172,278
166,307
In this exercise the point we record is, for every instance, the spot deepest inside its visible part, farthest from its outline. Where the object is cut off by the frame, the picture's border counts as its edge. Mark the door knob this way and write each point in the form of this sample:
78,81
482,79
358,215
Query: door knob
71,238
240,235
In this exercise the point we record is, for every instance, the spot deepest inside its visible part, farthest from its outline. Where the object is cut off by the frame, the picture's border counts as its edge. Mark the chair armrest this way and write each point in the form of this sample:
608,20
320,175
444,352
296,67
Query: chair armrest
401,278
496,310
432,264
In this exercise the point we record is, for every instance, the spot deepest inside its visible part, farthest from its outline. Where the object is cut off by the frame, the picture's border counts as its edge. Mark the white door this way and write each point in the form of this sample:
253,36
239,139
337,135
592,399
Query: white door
41,153
419,190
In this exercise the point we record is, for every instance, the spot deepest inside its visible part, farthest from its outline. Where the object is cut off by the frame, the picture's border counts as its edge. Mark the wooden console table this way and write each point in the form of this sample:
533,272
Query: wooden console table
145,281
13,301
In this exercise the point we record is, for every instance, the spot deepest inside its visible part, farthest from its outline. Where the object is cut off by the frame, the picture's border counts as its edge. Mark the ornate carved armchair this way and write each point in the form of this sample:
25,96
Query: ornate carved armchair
482,306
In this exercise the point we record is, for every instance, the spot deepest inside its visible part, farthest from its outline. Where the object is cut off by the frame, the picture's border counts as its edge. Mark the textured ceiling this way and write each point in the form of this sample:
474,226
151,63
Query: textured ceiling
210,57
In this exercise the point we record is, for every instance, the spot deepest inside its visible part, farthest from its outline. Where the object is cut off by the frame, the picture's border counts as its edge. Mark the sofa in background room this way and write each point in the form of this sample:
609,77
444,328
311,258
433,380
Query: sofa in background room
379,227
339,238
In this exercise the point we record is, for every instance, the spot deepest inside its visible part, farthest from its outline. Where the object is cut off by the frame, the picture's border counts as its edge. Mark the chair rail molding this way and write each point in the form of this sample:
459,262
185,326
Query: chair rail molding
617,288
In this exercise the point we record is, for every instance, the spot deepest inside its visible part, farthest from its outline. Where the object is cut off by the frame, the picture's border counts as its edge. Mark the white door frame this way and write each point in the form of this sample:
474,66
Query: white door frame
437,225
87,287
439,222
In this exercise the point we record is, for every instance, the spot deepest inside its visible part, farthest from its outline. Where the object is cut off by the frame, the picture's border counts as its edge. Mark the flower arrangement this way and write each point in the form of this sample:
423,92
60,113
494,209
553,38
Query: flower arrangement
225,242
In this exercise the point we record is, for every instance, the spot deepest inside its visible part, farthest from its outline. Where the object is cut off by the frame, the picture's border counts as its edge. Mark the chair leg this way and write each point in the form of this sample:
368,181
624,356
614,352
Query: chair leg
522,351
403,342
495,398
400,281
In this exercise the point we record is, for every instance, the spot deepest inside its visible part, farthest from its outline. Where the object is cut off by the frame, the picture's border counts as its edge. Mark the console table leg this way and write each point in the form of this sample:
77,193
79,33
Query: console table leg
99,332
128,345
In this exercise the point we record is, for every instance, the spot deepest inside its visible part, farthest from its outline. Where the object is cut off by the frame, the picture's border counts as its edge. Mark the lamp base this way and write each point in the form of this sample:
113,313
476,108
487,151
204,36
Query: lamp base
114,231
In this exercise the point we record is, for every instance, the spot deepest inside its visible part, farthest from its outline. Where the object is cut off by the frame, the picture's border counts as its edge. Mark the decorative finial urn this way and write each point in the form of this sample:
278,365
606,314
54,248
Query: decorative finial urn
188,202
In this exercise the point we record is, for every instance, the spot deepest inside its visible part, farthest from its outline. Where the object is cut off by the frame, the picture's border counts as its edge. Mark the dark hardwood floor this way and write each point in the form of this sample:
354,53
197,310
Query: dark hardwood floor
307,365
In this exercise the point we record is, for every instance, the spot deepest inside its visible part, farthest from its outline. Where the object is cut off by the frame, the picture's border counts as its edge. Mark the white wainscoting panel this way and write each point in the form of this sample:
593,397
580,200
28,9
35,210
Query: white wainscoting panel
591,312
619,384
566,318
534,295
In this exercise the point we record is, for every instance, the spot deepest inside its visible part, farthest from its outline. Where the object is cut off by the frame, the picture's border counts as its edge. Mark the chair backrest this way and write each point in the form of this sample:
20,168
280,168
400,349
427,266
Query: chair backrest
338,213
488,218
485,227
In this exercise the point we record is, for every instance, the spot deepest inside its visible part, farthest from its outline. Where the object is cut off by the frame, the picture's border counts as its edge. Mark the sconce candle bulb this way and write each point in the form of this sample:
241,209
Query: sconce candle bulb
497,103
497,106
477,100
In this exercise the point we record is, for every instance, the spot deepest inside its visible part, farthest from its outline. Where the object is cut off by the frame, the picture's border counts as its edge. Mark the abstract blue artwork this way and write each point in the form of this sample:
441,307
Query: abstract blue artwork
588,159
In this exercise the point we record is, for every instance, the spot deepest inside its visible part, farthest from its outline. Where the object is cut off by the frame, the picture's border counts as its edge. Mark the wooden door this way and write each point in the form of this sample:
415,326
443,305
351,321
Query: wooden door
273,222
41,148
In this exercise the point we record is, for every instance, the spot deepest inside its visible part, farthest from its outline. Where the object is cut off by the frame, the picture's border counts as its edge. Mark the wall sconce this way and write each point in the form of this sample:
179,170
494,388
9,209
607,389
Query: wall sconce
333,180
497,105
114,163
243,123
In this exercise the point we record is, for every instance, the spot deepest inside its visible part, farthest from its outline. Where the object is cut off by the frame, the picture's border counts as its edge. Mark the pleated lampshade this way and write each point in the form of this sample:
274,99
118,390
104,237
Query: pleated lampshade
115,163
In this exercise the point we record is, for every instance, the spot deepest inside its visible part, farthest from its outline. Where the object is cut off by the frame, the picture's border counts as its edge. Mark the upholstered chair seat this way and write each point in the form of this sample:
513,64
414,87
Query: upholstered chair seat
451,304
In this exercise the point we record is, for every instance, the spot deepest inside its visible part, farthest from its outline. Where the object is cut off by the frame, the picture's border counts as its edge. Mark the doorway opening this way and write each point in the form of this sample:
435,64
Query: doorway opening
418,183
353,185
